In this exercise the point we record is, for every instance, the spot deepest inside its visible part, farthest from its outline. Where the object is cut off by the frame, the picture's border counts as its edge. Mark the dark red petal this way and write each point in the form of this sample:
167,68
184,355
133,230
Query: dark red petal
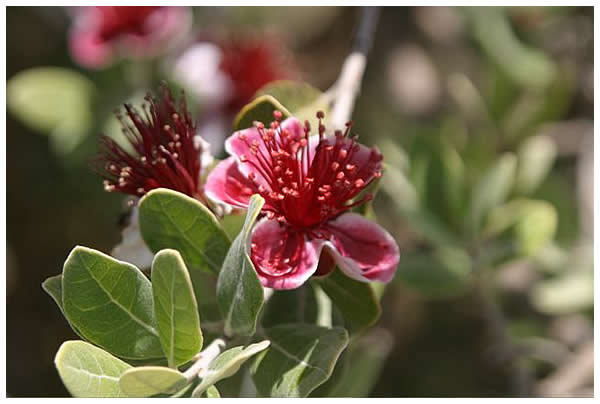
284,258
363,250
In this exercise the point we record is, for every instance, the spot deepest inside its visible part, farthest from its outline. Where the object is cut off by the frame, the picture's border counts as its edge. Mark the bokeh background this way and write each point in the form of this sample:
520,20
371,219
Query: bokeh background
485,119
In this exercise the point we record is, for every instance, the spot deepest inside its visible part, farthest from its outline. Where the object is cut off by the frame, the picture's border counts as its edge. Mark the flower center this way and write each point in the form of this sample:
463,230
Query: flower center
166,152
307,180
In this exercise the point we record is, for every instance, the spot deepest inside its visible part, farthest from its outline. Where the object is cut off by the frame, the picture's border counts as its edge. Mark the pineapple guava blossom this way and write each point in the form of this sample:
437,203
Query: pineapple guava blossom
308,183
99,34
166,152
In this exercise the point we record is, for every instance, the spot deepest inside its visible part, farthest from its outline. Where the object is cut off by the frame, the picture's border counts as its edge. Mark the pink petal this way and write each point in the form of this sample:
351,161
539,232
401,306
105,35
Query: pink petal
226,184
238,144
362,249
284,258
88,49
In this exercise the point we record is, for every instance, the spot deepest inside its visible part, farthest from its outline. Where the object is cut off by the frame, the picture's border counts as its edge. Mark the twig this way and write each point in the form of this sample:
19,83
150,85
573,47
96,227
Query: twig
502,347
347,86
204,359
575,373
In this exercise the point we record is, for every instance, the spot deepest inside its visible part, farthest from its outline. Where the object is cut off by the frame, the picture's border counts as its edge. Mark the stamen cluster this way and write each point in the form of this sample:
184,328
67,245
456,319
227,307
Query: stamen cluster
166,151
306,180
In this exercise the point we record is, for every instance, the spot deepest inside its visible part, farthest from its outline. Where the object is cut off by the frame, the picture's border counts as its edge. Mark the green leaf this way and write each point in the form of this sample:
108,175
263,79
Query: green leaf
355,300
359,366
170,219
564,295
527,66
536,156
53,286
110,303
534,108
175,308
491,190
300,99
453,183
397,186
239,292
260,109
227,364
55,101
557,189
146,381
297,305
88,371
212,392
527,224
443,273
232,224
300,358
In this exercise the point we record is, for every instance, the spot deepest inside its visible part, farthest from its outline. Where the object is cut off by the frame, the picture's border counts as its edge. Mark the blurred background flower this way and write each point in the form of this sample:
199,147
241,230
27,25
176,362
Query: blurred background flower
99,35
485,119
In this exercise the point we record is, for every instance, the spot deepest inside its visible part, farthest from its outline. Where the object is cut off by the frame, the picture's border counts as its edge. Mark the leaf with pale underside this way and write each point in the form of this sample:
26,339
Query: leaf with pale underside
239,292
227,364
147,381
170,219
175,308
301,357
88,371
53,286
212,392
110,304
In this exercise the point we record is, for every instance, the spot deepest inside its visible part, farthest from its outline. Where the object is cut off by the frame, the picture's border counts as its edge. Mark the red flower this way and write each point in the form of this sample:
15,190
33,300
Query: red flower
250,64
167,153
98,33
225,73
307,183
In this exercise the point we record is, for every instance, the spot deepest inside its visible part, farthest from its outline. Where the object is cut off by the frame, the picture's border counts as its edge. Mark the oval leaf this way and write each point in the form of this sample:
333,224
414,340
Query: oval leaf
146,381
297,305
55,101
212,392
301,99
88,371
446,272
170,219
175,308
359,367
536,157
110,303
260,109
526,225
491,190
227,364
300,358
355,300
239,292
53,286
